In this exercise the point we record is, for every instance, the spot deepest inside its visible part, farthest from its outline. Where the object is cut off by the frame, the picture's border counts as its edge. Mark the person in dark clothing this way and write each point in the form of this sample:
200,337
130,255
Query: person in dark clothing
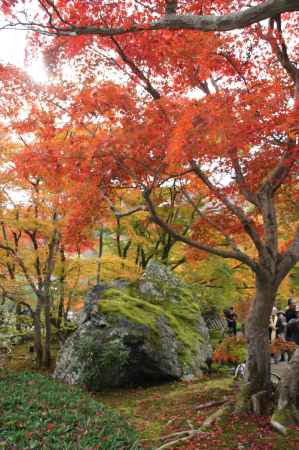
281,325
293,328
291,310
290,315
231,319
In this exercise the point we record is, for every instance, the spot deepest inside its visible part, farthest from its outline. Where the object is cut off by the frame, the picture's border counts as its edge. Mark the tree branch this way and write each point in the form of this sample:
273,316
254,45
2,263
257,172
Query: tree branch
211,222
240,180
279,174
281,51
171,21
200,246
135,69
236,210
288,259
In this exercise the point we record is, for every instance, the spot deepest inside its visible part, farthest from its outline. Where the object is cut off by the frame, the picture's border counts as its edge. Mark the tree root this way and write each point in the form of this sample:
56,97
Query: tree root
278,427
186,435
284,417
189,435
260,402
210,404
210,419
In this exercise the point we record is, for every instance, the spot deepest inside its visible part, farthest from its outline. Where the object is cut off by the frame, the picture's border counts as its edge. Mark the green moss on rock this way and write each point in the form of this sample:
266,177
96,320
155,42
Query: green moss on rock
181,315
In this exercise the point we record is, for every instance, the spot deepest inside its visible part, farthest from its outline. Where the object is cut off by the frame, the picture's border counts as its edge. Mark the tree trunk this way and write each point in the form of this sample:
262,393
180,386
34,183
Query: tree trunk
18,313
60,313
100,253
287,410
258,373
61,288
47,352
38,347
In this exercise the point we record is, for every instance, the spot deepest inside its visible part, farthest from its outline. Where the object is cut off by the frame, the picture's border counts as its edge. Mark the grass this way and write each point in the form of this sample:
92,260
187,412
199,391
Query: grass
21,359
38,413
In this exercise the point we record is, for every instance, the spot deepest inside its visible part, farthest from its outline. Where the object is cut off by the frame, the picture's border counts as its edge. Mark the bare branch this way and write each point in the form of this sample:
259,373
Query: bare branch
265,196
129,212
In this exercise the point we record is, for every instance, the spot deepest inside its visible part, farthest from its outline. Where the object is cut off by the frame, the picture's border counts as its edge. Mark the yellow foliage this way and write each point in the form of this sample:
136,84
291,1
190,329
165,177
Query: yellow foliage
112,267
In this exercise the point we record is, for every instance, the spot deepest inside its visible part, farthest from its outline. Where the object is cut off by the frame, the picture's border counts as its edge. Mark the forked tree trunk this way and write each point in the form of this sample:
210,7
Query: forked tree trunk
287,410
258,373
38,347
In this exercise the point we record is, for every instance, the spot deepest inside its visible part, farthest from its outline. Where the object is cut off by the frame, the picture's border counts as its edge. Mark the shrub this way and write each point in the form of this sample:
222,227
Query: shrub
39,413
231,349
279,345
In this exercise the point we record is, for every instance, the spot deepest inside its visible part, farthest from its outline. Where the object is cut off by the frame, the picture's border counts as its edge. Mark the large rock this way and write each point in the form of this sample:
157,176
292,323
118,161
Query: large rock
135,334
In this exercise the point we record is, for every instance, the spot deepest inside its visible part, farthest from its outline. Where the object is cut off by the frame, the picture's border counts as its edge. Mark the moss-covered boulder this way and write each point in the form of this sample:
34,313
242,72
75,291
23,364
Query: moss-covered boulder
130,335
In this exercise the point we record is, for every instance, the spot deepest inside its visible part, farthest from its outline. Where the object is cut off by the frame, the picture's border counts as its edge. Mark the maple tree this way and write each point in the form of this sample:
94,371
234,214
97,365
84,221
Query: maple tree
30,241
219,114
34,266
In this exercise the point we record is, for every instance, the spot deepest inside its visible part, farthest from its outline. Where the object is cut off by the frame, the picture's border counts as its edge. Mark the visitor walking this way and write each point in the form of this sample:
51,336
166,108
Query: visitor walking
231,319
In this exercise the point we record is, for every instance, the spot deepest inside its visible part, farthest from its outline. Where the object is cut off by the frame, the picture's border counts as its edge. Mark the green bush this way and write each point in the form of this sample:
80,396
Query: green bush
231,350
39,413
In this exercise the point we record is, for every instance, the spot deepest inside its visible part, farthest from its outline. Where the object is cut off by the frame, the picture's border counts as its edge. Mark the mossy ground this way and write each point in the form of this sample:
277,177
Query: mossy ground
285,416
158,411
22,359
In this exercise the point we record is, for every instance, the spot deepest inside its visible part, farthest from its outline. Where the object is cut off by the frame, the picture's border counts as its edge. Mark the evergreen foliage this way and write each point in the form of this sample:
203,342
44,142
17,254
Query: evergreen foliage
41,413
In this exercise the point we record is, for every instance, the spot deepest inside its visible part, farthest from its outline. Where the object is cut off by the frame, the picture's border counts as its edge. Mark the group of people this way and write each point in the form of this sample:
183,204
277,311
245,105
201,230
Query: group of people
285,324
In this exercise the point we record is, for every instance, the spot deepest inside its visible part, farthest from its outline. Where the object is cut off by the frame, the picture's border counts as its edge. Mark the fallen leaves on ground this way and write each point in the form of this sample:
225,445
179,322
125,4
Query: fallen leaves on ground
171,408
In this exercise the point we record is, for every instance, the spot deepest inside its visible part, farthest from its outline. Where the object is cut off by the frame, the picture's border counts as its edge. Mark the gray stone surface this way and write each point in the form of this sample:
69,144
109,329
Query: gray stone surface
113,350
159,282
